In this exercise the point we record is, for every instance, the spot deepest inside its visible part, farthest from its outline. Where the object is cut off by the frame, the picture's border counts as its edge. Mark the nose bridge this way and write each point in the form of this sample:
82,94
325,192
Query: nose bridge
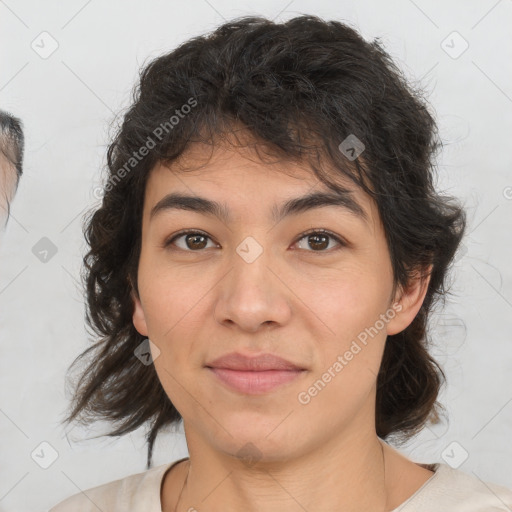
250,250
251,262
251,294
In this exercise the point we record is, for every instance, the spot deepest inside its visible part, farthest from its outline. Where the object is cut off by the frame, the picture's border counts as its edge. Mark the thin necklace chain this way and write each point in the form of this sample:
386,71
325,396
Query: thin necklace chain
383,464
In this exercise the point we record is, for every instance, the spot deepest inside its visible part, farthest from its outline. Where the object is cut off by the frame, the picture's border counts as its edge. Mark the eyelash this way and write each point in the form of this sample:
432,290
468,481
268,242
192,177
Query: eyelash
317,231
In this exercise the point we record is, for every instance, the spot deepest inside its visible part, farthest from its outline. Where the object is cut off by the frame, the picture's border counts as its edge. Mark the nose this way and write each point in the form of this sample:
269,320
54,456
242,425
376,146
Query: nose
253,294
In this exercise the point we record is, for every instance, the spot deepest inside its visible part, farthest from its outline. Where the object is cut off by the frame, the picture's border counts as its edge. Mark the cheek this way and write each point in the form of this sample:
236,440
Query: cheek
347,302
171,296
350,355
350,348
336,398
174,308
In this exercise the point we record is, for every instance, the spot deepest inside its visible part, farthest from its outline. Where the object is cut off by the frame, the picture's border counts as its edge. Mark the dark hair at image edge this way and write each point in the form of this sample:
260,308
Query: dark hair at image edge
12,145
12,141
299,88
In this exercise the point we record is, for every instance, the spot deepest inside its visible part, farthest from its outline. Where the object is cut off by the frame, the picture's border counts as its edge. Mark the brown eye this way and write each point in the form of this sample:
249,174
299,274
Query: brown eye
192,241
318,240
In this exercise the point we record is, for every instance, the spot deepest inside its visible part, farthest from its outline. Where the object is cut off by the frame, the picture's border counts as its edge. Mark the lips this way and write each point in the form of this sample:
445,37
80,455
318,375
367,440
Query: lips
254,375
263,362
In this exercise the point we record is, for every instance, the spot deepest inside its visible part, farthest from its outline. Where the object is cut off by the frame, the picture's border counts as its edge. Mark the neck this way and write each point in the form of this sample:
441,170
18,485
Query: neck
348,477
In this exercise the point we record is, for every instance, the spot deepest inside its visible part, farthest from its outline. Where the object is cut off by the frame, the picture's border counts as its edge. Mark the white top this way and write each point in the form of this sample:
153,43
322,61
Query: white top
447,490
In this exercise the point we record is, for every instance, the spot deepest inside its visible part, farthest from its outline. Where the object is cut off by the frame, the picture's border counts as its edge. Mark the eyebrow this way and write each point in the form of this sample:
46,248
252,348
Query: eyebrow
343,199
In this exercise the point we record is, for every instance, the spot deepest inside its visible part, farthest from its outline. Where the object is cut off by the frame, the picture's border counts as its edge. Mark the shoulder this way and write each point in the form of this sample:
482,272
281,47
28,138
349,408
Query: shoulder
140,491
454,490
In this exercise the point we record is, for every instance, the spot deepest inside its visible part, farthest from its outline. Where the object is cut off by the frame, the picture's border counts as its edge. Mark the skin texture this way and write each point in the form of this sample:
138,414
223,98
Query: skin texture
299,302
7,187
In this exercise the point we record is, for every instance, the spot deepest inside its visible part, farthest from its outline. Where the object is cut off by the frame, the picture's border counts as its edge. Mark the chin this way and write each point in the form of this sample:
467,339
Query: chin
258,438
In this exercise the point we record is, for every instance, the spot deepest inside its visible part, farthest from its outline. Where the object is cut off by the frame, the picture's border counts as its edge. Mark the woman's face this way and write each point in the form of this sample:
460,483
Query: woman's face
252,284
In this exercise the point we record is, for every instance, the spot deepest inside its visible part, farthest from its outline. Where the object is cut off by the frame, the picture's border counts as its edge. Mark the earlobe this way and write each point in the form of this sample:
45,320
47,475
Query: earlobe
410,300
139,319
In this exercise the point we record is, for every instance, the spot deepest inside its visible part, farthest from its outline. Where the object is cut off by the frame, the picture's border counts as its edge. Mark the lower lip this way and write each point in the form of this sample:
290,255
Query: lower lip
255,383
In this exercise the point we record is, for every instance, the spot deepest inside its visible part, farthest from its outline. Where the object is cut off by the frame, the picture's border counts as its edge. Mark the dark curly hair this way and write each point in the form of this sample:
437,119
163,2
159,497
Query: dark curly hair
300,88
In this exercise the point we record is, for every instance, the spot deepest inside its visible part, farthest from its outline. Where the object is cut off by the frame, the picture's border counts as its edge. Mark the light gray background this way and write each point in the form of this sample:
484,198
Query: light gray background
67,102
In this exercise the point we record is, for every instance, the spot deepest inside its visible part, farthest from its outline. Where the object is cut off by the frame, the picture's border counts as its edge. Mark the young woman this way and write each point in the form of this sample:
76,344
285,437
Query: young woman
263,265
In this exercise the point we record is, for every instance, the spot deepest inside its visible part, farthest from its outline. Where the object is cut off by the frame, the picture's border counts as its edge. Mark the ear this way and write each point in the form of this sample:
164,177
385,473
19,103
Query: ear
410,301
139,319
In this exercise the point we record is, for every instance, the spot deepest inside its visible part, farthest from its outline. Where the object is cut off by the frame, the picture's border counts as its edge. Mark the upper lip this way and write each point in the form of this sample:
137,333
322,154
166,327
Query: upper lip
262,362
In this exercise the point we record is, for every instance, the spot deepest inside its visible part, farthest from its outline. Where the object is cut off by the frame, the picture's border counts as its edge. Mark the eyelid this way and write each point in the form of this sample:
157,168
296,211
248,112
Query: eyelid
168,241
341,241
